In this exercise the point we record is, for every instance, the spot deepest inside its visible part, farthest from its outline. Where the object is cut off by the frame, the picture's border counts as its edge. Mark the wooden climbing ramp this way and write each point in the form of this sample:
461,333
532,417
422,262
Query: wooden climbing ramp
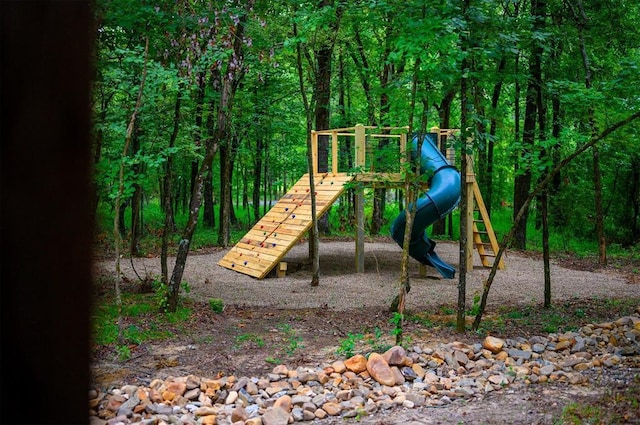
260,250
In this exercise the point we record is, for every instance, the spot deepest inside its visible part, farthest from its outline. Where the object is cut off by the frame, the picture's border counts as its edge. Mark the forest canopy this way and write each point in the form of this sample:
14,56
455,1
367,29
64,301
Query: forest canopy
203,99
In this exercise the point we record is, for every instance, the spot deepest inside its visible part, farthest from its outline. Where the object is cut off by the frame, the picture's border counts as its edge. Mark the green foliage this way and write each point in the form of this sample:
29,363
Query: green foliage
348,345
216,305
143,318
123,352
292,341
369,341
401,42
249,338
396,320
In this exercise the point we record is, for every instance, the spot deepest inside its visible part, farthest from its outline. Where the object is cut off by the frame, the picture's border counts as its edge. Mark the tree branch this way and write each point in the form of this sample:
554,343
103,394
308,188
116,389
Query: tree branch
539,188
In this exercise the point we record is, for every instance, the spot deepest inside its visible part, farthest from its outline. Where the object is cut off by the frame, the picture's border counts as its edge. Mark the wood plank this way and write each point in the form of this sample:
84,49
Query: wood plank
283,226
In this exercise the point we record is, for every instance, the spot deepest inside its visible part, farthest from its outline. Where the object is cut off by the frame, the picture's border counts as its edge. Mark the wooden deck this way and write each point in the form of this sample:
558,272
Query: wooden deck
264,246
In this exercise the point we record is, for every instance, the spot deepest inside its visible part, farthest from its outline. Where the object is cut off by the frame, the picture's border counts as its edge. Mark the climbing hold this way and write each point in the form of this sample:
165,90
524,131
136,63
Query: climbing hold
286,209
274,245
262,227
275,235
331,182
233,264
245,263
293,216
264,233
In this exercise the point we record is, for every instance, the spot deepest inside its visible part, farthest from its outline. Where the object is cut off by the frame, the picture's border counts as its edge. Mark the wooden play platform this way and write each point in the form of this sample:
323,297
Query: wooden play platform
374,149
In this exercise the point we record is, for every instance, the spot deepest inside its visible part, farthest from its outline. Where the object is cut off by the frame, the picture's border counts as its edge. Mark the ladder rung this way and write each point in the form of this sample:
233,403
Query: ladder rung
481,232
487,255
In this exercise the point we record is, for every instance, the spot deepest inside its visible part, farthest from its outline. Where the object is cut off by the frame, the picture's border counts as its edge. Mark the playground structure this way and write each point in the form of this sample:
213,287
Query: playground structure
380,153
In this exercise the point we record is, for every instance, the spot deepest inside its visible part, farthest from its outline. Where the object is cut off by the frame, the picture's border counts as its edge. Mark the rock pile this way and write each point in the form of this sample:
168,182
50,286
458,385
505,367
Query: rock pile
420,376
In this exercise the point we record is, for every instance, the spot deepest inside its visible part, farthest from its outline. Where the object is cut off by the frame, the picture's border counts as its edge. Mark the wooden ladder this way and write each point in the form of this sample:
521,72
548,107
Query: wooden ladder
484,238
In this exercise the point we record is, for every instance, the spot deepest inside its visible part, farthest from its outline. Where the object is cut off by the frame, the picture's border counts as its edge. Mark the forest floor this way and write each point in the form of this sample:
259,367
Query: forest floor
285,320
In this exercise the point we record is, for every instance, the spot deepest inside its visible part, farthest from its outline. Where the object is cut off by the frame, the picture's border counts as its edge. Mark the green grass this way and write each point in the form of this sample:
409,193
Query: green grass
142,320
248,338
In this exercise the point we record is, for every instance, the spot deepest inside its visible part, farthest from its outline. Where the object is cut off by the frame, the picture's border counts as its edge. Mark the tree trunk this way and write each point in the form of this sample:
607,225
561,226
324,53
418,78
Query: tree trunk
197,136
136,199
523,179
169,221
444,113
117,219
209,214
464,205
379,194
506,240
322,95
493,127
257,178
314,240
581,21
230,81
223,216
544,202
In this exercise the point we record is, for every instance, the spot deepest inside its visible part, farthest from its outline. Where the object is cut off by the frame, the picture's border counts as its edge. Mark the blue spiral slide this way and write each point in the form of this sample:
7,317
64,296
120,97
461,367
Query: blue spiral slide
441,198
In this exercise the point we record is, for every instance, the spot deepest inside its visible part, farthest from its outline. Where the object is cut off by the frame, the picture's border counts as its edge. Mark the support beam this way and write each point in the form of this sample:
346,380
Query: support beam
468,194
360,231
359,163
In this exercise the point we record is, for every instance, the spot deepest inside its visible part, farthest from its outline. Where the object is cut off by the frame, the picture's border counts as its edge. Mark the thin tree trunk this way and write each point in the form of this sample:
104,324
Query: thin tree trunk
581,21
464,205
444,114
257,178
116,221
493,127
379,194
506,240
314,240
412,175
169,221
544,202
136,199
230,82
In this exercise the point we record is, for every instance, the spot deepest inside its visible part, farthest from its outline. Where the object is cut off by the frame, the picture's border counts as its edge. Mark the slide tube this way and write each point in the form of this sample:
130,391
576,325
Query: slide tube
441,198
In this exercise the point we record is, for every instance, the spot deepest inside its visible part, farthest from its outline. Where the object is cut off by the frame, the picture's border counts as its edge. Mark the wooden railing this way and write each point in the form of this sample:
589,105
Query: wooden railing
361,133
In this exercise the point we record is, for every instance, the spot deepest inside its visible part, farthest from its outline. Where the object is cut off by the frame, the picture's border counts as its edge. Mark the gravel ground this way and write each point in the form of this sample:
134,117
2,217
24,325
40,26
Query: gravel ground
341,288
349,301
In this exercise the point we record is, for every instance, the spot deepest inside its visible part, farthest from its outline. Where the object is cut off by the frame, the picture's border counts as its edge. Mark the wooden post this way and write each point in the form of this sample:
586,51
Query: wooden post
314,151
359,206
281,271
403,149
468,193
334,152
